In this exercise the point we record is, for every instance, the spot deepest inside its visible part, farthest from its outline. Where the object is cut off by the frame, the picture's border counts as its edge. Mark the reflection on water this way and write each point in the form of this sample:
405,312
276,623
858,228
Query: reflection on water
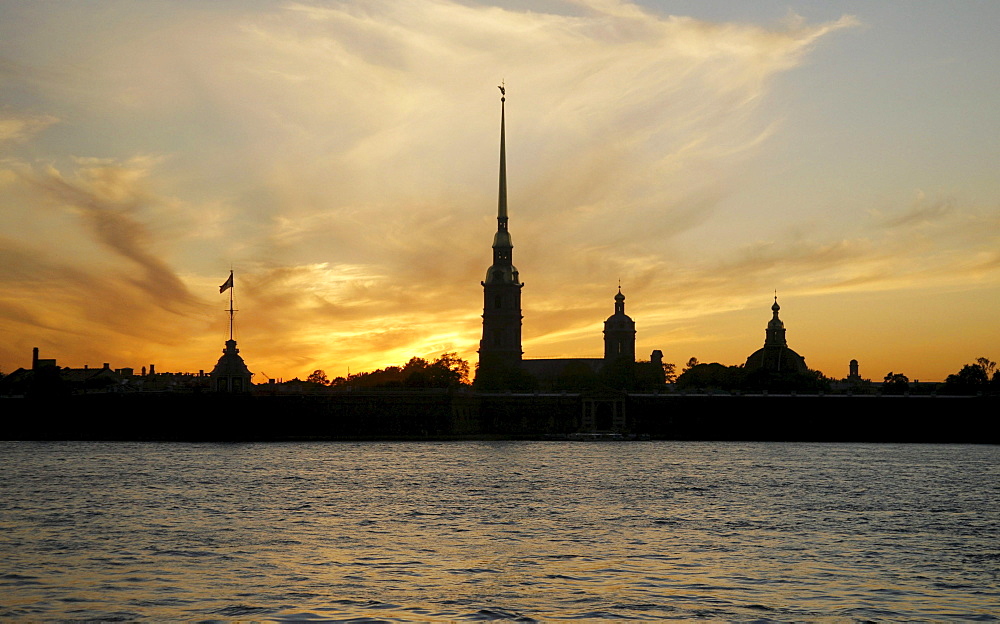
477,530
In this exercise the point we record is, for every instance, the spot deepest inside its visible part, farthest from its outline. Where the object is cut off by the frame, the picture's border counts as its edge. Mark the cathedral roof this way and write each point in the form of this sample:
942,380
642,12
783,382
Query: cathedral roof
779,359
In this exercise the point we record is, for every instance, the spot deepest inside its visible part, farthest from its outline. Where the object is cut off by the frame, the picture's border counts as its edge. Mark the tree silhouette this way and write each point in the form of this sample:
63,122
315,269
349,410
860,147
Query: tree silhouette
669,372
712,376
972,379
447,371
718,377
988,366
895,383
318,376
653,375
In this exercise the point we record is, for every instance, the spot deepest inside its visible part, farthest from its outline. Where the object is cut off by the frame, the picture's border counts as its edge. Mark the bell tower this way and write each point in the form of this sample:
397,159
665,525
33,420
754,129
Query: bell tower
500,347
619,334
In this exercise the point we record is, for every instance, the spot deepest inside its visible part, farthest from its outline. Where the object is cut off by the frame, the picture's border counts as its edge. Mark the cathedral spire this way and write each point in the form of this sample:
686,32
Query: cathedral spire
503,248
502,195
500,347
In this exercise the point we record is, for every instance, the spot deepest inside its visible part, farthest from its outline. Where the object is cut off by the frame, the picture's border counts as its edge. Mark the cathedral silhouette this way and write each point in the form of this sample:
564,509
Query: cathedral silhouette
500,352
775,356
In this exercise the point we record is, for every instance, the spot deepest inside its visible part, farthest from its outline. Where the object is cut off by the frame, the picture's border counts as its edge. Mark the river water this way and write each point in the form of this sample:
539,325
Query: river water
499,530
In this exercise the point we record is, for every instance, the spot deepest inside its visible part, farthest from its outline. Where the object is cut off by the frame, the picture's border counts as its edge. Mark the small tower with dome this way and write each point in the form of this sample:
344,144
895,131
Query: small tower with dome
619,334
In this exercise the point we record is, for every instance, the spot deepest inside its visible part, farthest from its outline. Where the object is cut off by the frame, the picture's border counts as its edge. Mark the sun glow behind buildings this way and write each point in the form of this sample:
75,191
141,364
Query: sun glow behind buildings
342,159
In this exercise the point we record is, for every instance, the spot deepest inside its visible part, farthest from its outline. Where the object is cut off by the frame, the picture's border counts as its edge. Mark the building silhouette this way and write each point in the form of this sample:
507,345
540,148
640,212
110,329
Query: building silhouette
45,378
854,373
500,347
231,373
775,356
501,361
619,334
619,350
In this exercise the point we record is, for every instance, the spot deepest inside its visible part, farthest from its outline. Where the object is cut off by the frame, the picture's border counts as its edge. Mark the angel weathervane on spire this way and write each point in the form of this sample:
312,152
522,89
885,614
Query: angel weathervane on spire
503,91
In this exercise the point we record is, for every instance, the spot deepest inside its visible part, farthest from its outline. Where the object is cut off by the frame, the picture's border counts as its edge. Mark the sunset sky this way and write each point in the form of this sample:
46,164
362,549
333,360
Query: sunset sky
341,157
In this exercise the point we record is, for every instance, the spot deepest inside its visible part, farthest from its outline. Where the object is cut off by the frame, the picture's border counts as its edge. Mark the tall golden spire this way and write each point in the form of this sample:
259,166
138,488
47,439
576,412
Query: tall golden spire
502,244
500,347
502,195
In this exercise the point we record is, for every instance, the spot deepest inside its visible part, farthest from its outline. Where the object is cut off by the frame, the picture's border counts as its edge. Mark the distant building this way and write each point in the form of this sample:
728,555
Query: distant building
775,356
854,374
853,383
46,378
88,379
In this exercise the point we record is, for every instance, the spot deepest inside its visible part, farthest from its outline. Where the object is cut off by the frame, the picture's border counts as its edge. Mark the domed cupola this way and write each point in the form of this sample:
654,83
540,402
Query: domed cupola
775,356
775,333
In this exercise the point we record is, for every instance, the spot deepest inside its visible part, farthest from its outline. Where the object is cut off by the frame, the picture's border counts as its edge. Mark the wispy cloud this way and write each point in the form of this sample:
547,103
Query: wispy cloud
106,196
20,127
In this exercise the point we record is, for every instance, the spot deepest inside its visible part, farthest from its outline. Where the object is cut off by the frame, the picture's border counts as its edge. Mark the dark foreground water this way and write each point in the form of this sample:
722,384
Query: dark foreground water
482,530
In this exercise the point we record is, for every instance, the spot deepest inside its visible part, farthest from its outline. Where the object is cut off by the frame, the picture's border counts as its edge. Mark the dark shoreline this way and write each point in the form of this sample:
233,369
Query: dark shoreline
443,415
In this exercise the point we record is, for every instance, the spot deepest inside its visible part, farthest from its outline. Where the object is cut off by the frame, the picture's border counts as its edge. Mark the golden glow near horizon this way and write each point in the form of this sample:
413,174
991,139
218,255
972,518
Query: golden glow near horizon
342,158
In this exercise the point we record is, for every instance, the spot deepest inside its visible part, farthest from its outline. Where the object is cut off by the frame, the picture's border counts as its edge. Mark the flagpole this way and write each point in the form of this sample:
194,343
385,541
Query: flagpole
231,311
231,286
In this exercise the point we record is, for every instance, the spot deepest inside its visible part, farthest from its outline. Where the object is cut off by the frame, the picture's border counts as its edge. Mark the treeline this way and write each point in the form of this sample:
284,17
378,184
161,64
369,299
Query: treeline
979,377
451,371
447,371
715,376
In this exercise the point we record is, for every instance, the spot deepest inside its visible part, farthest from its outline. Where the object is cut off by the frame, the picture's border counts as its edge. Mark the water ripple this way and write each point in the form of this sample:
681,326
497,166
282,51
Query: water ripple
505,531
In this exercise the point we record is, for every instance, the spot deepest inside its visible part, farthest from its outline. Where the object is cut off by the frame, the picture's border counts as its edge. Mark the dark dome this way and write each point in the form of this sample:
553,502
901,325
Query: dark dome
231,364
779,359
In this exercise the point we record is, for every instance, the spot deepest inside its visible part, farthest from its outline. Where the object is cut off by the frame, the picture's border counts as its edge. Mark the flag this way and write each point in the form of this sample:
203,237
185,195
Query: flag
228,284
